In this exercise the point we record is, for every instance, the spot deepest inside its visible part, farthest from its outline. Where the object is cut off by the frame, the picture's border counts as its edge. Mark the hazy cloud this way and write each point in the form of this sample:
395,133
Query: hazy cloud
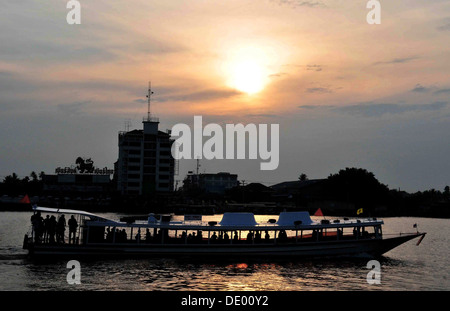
140,101
420,89
314,67
397,60
299,3
75,108
319,90
442,91
445,26
311,107
262,115
200,96
378,109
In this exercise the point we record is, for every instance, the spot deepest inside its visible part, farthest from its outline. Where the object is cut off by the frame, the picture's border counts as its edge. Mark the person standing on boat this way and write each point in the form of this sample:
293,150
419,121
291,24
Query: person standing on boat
37,223
60,229
148,236
72,229
51,229
46,224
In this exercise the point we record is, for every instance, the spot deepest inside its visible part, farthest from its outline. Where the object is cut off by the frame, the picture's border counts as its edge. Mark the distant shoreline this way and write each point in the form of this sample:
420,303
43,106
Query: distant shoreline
208,210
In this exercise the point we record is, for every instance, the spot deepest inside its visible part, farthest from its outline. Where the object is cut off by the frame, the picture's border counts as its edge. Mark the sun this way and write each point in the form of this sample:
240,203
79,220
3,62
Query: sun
247,76
246,69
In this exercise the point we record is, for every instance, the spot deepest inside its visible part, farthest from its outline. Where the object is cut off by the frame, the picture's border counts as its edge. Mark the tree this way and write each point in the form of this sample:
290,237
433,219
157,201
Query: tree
34,176
303,177
11,179
356,185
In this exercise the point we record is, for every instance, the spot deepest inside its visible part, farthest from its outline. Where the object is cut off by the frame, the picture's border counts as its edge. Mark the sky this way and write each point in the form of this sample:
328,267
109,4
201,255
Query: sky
345,93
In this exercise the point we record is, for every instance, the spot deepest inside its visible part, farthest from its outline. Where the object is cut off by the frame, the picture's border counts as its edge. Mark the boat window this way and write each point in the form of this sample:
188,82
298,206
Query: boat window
305,235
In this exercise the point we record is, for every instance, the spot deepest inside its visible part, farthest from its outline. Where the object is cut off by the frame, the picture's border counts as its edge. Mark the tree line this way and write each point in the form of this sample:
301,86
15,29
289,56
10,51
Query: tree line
13,185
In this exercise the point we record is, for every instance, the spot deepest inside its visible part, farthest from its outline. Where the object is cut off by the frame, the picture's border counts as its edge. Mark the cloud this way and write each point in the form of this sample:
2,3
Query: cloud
372,109
442,91
140,101
299,3
319,90
278,75
261,115
420,89
445,26
314,67
200,96
397,60
311,107
75,108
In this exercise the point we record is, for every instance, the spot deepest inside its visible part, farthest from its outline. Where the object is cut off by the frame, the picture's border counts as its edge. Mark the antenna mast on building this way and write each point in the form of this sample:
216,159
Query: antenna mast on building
127,125
149,95
198,165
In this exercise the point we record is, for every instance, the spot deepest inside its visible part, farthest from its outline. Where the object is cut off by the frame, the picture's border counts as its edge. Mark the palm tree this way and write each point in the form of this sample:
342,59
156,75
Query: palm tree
34,176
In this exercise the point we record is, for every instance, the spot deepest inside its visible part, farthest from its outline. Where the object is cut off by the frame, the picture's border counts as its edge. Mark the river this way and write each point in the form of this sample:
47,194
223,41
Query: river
407,268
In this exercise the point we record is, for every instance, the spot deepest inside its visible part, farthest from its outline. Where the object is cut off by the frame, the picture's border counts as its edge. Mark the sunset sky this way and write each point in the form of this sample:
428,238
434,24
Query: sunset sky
345,93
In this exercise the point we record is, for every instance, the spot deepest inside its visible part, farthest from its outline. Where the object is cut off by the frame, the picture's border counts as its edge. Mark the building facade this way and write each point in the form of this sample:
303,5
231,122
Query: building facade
212,183
145,163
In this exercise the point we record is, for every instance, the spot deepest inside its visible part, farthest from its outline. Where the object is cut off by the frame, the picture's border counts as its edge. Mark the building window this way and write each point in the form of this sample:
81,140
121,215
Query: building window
149,161
149,145
149,137
149,154
149,169
148,178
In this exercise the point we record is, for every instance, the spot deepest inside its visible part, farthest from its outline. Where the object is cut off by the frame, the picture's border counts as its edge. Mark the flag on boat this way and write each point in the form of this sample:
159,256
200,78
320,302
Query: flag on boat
318,213
415,226
359,211
25,199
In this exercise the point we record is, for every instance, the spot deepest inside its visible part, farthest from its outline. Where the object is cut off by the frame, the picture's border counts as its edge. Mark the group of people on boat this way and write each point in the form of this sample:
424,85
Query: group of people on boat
52,231
116,235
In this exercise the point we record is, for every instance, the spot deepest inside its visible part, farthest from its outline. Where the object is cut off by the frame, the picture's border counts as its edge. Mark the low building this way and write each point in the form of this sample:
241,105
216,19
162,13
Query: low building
211,183
76,184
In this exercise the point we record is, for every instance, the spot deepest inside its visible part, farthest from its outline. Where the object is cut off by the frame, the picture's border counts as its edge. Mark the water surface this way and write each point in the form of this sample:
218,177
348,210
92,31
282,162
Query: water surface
408,267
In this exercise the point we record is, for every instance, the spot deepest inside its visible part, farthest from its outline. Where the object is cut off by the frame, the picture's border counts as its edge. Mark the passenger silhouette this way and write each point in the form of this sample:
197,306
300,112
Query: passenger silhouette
72,229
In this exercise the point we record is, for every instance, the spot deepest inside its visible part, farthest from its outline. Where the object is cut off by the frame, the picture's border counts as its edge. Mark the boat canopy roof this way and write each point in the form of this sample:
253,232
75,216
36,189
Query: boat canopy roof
230,221
238,219
293,218
69,211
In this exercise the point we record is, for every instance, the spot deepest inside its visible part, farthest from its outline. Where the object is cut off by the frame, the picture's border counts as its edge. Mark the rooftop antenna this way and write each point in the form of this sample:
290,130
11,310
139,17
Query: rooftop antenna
198,165
149,95
127,125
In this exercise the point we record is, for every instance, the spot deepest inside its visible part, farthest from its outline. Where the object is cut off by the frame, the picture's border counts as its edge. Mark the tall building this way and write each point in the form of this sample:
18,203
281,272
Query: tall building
145,163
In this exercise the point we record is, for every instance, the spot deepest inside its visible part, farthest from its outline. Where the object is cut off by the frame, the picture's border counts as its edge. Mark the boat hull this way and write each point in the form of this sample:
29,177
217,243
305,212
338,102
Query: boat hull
353,248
